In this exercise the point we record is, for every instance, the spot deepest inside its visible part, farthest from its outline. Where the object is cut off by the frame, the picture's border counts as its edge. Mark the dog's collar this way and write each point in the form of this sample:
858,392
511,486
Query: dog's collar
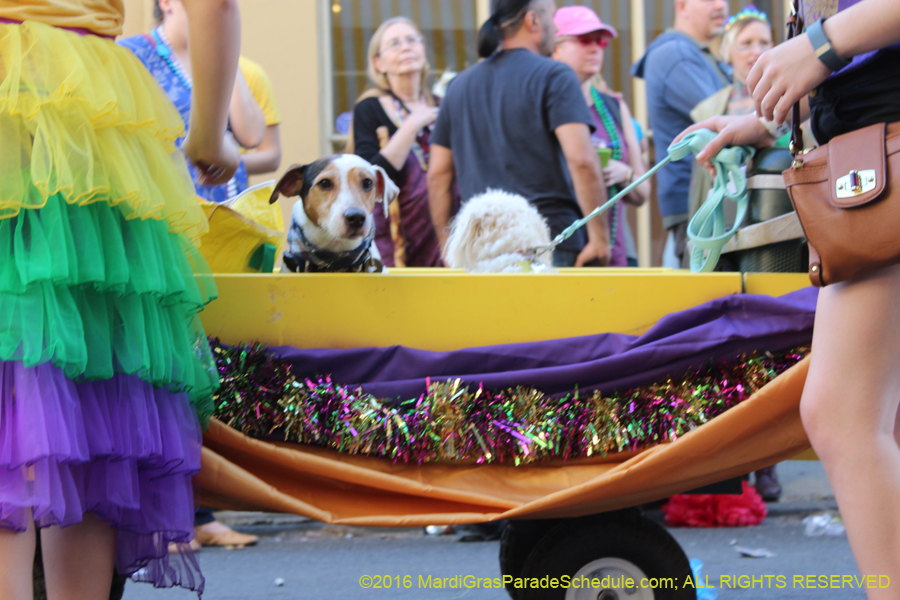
318,259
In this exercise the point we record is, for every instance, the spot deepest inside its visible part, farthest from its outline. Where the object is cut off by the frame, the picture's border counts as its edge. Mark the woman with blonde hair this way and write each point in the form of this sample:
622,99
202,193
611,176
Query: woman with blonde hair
391,129
747,35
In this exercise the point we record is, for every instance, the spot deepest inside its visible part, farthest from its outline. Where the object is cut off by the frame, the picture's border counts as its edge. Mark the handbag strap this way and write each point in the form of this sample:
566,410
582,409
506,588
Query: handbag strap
794,28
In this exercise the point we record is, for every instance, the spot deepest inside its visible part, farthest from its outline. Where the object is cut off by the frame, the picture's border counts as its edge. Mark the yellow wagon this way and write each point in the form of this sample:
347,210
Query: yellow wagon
565,516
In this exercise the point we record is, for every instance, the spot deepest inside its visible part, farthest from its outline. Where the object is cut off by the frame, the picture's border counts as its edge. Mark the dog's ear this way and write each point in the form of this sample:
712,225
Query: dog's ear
290,183
463,240
386,189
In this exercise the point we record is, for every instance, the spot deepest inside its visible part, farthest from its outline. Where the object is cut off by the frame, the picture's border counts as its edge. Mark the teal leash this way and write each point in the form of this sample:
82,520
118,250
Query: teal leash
706,229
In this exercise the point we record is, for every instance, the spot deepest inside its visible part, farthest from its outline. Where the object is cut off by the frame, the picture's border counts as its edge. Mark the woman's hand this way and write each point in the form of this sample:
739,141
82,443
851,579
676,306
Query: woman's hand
215,34
597,250
217,165
422,115
745,130
594,252
617,173
398,147
783,75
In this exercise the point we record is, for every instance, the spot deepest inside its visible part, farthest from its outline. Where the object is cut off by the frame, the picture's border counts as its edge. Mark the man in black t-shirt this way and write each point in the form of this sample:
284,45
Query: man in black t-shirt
517,121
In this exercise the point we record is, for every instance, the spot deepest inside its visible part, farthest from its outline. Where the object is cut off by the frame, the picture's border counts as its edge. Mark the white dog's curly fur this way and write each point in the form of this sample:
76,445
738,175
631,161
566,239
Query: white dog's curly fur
494,232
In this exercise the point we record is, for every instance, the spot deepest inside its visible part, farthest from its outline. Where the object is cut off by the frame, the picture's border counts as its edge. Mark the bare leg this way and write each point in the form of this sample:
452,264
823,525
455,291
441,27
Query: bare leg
897,429
16,562
850,412
79,560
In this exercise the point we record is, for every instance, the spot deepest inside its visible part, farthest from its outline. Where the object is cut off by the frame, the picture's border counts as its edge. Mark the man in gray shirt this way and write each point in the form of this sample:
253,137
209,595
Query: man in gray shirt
680,71
517,121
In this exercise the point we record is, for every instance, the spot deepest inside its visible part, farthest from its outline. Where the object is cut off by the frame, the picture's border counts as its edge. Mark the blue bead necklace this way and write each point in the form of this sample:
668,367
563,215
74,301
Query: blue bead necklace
165,52
615,143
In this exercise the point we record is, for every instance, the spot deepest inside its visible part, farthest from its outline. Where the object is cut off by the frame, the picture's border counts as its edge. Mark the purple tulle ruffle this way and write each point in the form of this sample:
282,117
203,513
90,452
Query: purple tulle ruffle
118,448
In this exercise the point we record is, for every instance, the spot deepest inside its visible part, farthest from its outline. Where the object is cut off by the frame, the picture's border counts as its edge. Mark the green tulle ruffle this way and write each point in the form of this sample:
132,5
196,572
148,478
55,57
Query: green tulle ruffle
96,294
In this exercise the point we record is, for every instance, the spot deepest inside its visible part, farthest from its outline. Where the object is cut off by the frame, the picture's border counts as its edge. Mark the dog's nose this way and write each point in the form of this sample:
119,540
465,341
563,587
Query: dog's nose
355,217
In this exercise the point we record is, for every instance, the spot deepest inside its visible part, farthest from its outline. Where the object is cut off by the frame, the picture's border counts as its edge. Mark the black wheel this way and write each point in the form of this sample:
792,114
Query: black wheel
610,549
518,540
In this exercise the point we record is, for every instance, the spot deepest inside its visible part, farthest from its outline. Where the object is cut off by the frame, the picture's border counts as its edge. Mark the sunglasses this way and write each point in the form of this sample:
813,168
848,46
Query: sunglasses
589,39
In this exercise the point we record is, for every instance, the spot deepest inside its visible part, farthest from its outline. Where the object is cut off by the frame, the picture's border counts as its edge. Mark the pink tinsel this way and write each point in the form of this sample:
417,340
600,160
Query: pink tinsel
716,510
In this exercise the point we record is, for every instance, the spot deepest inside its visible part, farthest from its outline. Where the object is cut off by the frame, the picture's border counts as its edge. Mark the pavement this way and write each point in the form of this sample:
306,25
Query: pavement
298,558
805,490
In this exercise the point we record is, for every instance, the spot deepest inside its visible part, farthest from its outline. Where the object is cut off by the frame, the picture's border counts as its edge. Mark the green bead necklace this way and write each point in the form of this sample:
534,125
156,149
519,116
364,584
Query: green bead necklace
615,143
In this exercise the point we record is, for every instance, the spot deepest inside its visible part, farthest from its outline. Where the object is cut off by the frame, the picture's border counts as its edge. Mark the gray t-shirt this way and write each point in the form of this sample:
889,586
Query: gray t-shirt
499,117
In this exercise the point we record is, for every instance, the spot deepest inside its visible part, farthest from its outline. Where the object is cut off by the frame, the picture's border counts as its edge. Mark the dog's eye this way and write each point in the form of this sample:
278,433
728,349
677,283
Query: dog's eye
325,184
367,184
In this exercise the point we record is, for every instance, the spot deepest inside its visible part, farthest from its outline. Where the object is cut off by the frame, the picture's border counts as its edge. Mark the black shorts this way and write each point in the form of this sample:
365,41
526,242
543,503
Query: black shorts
857,99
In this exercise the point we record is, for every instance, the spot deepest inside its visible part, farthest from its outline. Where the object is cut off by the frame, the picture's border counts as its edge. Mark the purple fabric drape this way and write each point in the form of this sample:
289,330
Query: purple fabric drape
690,338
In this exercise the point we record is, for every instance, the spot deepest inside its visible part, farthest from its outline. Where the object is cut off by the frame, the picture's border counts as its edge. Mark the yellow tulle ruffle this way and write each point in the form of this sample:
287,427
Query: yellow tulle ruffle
82,117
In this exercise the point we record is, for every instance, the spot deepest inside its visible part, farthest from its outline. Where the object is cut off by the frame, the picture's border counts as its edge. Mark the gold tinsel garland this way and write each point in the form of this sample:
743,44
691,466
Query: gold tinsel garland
450,422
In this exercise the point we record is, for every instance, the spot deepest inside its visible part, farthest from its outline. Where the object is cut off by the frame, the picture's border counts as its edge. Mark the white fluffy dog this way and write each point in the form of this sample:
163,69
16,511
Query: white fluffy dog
494,233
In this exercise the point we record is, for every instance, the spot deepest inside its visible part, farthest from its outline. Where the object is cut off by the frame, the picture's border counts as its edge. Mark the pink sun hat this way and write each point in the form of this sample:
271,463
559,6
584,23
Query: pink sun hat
578,20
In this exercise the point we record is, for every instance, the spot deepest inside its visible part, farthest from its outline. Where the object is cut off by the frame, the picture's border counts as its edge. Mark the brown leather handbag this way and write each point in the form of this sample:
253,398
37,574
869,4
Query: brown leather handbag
847,195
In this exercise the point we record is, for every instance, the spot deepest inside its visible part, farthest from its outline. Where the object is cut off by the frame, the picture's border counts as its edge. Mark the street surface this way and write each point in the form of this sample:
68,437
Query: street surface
323,561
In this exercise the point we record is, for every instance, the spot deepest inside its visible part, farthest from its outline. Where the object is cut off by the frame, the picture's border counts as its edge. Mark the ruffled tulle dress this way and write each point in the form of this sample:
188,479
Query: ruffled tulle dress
105,374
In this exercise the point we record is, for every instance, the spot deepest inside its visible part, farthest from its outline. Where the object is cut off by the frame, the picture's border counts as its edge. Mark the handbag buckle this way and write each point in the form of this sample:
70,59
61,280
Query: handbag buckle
798,160
855,183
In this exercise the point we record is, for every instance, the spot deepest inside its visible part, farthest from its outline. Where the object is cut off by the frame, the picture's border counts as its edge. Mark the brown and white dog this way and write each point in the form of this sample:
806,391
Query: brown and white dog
332,226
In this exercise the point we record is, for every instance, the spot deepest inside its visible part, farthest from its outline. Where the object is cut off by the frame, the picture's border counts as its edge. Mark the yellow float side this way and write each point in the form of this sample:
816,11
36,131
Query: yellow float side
445,310
774,284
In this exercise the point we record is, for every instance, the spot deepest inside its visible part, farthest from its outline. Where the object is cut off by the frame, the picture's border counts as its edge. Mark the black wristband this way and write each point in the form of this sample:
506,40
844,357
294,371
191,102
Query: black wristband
822,46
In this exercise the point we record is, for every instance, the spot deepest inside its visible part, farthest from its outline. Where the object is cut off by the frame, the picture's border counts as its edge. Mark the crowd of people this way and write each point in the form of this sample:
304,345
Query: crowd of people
102,387
504,126
513,122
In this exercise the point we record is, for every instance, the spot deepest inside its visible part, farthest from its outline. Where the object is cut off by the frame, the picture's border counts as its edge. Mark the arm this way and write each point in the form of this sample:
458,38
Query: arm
367,118
791,70
398,148
590,189
245,116
745,130
267,156
215,31
440,182
882,19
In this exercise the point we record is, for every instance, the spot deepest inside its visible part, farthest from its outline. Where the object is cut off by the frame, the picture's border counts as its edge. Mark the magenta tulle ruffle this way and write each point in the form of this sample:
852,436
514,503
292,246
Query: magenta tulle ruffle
117,448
